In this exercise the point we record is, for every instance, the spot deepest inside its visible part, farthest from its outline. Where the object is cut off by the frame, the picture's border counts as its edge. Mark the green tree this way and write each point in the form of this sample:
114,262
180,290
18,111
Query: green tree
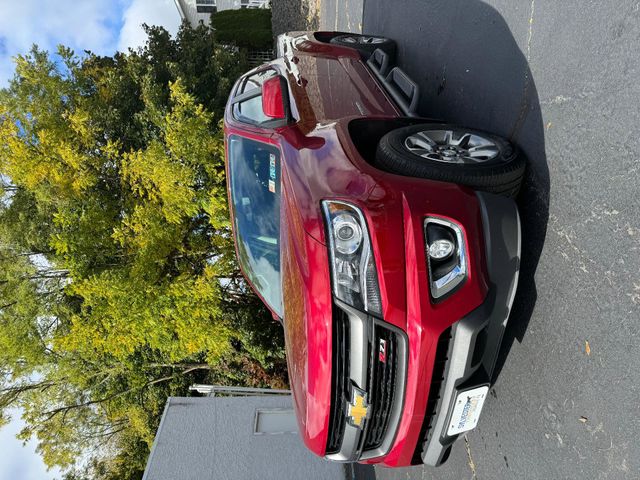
118,282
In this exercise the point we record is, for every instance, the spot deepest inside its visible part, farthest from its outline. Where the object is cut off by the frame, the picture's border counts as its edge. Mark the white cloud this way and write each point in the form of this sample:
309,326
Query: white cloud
152,12
88,23
102,26
82,25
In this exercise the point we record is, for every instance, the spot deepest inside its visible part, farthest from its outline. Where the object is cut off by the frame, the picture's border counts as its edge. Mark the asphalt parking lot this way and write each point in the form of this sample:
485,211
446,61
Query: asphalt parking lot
561,80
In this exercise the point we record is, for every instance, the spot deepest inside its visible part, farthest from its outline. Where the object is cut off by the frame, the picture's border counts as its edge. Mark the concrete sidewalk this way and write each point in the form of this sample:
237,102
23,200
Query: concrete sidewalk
340,15
331,15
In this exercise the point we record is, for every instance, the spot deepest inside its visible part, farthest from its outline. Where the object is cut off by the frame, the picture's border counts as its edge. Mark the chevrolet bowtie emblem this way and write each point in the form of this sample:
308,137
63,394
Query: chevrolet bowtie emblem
358,409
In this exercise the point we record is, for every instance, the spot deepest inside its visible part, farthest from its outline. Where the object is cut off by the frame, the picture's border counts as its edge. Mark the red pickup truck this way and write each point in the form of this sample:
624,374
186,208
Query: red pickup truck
387,244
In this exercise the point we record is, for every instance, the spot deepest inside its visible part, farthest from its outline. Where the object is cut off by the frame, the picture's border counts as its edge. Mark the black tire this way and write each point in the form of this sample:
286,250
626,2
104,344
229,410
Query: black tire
501,174
354,40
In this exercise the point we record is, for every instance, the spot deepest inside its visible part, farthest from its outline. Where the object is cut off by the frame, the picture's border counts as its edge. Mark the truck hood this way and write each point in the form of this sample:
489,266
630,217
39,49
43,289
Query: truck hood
311,175
308,326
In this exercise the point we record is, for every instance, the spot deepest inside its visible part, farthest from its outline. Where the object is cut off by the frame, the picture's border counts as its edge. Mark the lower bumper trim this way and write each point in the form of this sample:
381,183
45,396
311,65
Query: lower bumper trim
476,338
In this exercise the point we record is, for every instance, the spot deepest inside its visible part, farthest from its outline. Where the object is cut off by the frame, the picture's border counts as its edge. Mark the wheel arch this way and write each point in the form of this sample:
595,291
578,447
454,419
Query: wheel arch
365,133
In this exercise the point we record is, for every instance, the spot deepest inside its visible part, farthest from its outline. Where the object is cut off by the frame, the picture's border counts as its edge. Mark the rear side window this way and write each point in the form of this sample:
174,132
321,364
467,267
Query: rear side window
254,169
250,110
256,80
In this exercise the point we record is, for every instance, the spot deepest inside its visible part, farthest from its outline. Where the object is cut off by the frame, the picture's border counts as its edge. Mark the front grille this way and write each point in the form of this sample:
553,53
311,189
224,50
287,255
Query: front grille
437,378
382,385
339,380
382,378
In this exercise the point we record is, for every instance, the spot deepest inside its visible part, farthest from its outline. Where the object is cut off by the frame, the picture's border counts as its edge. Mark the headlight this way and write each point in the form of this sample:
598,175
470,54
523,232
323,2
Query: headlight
446,256
353,268
347,233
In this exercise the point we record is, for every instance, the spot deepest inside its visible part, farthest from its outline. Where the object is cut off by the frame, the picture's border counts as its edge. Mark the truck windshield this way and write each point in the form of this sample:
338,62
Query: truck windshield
254,168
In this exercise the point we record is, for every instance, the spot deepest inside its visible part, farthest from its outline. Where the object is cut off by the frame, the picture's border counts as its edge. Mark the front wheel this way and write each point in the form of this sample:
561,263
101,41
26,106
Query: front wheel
366,44
453,154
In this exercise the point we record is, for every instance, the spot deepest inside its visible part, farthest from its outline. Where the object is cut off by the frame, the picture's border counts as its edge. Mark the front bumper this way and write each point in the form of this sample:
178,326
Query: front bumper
475,340
464,357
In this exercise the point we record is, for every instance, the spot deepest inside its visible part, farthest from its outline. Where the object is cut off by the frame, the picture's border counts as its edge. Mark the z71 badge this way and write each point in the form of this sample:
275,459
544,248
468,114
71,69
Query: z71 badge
382,351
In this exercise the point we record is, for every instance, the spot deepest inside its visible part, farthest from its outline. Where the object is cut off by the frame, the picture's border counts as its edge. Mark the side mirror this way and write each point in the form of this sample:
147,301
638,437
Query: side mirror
274,98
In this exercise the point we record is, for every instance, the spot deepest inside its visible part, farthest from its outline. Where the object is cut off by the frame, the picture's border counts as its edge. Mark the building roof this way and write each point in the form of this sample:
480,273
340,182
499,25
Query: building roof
207,438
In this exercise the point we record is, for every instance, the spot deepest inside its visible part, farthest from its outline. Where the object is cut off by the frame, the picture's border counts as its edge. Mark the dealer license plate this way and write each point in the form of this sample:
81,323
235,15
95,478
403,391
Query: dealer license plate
466,410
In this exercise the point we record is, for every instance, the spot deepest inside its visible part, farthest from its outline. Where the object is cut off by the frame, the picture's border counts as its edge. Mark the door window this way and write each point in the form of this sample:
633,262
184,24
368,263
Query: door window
254,169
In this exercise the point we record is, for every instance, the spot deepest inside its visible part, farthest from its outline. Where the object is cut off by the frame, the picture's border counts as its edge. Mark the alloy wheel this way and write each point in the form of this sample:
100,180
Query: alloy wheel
451,146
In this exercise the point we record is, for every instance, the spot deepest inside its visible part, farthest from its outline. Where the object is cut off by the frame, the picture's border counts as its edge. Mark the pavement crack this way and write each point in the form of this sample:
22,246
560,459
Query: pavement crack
472,464
533,9
527,78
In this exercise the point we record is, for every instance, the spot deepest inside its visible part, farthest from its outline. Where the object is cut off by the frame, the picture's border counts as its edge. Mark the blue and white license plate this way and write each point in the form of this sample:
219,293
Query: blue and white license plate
466,410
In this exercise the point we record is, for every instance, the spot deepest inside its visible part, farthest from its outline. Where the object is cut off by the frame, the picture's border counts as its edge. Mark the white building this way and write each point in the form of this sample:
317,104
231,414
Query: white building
196,11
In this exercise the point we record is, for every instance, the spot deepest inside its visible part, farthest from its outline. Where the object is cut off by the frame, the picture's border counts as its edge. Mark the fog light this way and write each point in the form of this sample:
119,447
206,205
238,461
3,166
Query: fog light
445,250
441,249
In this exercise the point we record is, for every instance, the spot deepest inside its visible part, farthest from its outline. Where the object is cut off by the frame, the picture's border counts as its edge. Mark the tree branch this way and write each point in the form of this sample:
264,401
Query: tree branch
52,413
201,366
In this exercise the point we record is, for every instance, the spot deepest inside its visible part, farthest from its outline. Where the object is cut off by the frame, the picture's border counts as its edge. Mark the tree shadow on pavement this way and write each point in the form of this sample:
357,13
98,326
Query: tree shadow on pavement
291,15
472,72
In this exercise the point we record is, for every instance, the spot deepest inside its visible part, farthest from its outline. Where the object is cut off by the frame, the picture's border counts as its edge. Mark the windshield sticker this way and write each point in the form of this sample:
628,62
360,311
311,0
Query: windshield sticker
272,186
272,167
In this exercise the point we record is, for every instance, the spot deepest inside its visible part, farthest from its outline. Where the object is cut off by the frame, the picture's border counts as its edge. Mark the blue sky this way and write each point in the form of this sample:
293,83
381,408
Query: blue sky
102,26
